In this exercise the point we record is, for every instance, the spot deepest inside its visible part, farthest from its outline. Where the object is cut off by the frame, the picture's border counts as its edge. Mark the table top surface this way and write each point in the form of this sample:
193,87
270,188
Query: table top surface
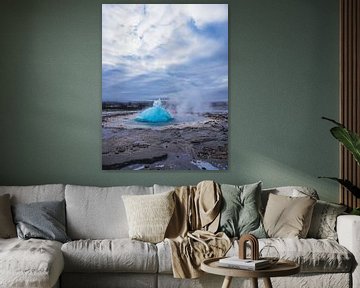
281,268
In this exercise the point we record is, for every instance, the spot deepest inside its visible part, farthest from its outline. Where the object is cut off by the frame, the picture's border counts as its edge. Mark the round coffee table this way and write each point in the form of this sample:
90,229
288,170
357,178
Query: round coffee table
281,268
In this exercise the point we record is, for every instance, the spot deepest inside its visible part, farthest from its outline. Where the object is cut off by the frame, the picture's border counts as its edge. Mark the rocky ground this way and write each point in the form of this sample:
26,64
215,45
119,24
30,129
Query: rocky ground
196,144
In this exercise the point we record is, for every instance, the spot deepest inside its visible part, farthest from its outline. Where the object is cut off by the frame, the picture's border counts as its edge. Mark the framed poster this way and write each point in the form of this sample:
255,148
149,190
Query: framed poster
164,86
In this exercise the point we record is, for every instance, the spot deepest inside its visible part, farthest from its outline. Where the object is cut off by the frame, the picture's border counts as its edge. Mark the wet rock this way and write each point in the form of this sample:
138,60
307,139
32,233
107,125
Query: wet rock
141,144
165,147
120,149
119,162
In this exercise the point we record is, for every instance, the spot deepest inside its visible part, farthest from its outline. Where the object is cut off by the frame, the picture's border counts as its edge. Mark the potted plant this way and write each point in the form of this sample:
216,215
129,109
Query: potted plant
351,141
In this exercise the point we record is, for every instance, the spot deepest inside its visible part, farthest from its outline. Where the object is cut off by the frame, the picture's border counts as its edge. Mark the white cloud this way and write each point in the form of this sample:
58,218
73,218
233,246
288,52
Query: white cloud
146,38
203,14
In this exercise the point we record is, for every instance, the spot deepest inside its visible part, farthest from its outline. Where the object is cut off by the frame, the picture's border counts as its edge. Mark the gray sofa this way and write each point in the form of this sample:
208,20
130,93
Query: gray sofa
101,254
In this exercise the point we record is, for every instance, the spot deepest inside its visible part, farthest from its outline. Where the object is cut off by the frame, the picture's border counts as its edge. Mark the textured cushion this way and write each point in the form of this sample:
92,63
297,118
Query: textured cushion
149,215
31,263
98,213
287,216
117,255
37,193
7,227
44,220
313,255
323,222
240,210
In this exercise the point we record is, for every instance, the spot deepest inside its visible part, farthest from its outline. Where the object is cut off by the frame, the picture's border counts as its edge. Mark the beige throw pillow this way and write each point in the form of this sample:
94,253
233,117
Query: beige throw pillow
149,215
7,226
288,217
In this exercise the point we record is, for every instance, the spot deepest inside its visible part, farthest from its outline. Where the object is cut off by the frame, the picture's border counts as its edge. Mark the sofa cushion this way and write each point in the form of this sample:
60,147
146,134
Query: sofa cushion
7,226
149,215
287,216
37,193
117,255
98,213
323,222
313,255
291,191
240,210
30,263
43,220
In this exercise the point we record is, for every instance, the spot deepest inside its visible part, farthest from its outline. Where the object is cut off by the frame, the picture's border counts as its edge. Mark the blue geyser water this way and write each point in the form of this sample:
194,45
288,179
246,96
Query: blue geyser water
155,114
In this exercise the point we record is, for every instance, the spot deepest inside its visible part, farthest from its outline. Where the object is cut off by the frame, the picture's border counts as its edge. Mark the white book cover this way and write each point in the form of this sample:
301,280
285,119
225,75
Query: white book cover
236,262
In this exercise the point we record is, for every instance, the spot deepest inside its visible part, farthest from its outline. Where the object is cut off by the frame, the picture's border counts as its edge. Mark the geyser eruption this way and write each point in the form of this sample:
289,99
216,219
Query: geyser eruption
155,114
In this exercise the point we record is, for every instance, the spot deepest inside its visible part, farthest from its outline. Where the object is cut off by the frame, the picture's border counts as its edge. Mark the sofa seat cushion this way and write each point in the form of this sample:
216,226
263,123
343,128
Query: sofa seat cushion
115,255
30,263
313,255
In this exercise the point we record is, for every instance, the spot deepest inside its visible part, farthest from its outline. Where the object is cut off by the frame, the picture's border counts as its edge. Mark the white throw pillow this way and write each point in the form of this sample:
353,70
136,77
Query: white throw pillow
149,215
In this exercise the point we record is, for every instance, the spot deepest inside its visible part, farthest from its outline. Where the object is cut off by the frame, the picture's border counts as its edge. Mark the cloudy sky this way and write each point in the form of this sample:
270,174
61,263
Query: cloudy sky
173,51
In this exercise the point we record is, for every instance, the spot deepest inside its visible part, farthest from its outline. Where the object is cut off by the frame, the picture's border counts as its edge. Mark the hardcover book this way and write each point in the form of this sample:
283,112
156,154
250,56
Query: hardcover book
236,262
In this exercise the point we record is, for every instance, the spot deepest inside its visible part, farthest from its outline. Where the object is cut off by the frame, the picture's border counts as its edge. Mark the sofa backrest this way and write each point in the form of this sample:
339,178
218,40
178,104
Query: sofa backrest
163,188
98,213
36,193
293,191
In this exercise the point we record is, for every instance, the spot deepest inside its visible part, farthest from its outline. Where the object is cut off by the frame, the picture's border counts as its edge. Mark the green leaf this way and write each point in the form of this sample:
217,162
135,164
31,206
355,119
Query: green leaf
333,121
347,184
348,138
355,211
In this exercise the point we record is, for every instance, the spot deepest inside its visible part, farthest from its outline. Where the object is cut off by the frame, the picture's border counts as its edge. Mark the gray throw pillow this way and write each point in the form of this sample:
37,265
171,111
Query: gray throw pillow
7,227
44,220
240,213
323,222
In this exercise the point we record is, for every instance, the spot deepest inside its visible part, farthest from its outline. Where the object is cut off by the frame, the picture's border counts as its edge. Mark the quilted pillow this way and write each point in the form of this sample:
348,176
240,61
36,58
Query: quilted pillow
43,220
149,215
288,217
323,222
7,227
240,210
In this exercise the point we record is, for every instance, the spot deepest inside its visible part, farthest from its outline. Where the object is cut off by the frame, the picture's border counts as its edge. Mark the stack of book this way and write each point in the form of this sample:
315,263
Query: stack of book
248,264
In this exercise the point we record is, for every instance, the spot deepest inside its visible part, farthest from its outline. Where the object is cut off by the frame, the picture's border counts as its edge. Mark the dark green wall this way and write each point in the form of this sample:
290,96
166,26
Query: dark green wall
283,78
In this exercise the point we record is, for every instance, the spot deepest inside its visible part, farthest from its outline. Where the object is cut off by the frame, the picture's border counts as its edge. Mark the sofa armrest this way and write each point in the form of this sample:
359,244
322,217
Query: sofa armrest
348,230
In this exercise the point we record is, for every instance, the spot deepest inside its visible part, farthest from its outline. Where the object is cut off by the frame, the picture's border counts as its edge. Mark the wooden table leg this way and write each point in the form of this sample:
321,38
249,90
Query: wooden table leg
227,282
267,283
254,282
